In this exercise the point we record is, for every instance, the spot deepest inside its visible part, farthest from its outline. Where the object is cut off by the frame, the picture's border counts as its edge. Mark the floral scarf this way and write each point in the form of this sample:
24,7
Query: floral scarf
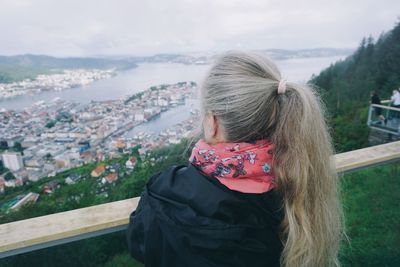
243,167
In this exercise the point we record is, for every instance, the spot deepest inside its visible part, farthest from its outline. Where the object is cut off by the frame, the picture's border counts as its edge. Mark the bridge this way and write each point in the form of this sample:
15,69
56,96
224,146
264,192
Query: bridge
55,229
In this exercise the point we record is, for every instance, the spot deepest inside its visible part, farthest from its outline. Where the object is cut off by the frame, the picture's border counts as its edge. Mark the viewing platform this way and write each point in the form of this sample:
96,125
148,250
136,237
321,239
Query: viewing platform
384,122
55,229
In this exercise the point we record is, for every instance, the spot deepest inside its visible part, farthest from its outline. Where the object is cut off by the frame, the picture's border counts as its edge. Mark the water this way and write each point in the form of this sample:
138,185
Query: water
301,69
146,75
166,119
125,83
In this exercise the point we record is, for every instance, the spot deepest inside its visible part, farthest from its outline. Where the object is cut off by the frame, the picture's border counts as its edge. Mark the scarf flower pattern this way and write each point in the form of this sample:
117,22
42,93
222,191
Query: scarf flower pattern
243,167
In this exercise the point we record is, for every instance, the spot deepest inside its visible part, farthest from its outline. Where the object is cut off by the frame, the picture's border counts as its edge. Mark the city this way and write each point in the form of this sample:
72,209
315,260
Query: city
49,138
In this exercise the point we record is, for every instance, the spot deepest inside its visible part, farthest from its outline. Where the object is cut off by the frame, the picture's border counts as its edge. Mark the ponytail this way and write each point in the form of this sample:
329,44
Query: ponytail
307,180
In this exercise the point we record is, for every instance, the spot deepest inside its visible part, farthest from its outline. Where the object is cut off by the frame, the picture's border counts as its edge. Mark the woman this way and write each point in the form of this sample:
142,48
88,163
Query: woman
260,189
395,102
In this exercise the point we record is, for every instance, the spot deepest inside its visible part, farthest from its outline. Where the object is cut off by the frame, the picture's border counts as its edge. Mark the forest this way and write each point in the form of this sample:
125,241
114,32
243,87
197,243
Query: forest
345,87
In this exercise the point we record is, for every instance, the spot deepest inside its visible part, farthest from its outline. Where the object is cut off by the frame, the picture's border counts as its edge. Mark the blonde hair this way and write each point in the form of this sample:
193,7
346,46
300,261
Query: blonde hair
241,91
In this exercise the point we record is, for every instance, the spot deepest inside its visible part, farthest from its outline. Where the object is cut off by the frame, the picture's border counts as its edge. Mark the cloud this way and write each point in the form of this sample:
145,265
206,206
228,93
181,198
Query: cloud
81,28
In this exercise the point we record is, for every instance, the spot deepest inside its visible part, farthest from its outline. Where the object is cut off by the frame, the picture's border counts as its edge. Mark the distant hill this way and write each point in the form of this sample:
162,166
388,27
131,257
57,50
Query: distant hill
281,54
16,68
277,54
346,86
48,62
15,73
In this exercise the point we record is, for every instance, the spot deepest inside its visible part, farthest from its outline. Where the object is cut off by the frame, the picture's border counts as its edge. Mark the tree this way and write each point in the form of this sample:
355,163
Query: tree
18,147
50,124
9,176
2,168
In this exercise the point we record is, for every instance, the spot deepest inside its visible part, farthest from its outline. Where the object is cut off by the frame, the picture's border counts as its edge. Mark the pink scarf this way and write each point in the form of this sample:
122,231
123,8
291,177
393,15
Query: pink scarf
243,167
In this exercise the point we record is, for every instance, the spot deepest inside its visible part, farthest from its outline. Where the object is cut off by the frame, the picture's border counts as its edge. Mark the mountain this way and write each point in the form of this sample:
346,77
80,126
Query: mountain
277,54
346,86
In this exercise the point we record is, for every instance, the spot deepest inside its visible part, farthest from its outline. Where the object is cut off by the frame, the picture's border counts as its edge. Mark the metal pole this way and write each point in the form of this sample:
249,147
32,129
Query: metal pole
369,115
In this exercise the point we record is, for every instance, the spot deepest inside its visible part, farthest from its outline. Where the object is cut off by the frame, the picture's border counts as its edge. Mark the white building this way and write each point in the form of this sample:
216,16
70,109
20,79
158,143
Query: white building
139,117
131,162
12,160
30,197
162,102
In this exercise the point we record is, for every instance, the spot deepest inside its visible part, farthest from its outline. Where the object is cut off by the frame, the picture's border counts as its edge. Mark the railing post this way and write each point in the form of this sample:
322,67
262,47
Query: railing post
369,115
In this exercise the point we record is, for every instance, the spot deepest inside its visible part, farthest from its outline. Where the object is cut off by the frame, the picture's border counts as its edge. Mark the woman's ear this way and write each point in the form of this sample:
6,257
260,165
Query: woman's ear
209,127
212,129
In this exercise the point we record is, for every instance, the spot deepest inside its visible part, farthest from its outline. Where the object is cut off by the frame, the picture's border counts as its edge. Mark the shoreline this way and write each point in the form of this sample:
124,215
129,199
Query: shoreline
65,80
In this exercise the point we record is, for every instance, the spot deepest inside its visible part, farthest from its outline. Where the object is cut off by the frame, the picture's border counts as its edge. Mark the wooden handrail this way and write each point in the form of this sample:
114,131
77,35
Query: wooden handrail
50,230
54,229
366,157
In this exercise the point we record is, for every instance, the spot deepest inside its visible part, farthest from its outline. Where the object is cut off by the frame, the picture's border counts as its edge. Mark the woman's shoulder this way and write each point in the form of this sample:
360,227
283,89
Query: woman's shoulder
186,192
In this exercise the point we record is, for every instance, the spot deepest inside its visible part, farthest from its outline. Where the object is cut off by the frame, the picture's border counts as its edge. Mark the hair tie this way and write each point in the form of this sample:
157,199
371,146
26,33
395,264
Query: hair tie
282,86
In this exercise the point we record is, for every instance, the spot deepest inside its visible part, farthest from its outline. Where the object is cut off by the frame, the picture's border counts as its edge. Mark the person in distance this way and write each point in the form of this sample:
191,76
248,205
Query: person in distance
260,188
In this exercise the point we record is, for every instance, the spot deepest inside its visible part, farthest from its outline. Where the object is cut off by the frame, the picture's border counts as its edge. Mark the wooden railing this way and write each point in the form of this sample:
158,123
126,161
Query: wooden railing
50,230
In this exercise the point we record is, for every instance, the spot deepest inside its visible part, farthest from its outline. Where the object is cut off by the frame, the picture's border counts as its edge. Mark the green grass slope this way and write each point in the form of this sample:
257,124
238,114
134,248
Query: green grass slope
371,201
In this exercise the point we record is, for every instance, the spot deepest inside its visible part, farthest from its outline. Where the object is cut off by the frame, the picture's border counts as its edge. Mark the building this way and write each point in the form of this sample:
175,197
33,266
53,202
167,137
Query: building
31,197
50,187
73,178
2,184
120,144
98,171
131,162
12,160
139,117
110,178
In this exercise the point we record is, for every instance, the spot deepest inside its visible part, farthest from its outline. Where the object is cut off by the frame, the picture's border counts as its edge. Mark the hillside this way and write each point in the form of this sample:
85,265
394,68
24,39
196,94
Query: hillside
14,73
17,68
346,86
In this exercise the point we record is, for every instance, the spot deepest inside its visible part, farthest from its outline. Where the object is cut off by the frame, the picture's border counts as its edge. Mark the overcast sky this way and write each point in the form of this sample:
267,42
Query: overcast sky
145,27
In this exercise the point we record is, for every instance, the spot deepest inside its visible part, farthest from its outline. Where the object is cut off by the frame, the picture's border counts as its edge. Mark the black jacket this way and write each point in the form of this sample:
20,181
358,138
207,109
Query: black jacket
185,218
375,99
